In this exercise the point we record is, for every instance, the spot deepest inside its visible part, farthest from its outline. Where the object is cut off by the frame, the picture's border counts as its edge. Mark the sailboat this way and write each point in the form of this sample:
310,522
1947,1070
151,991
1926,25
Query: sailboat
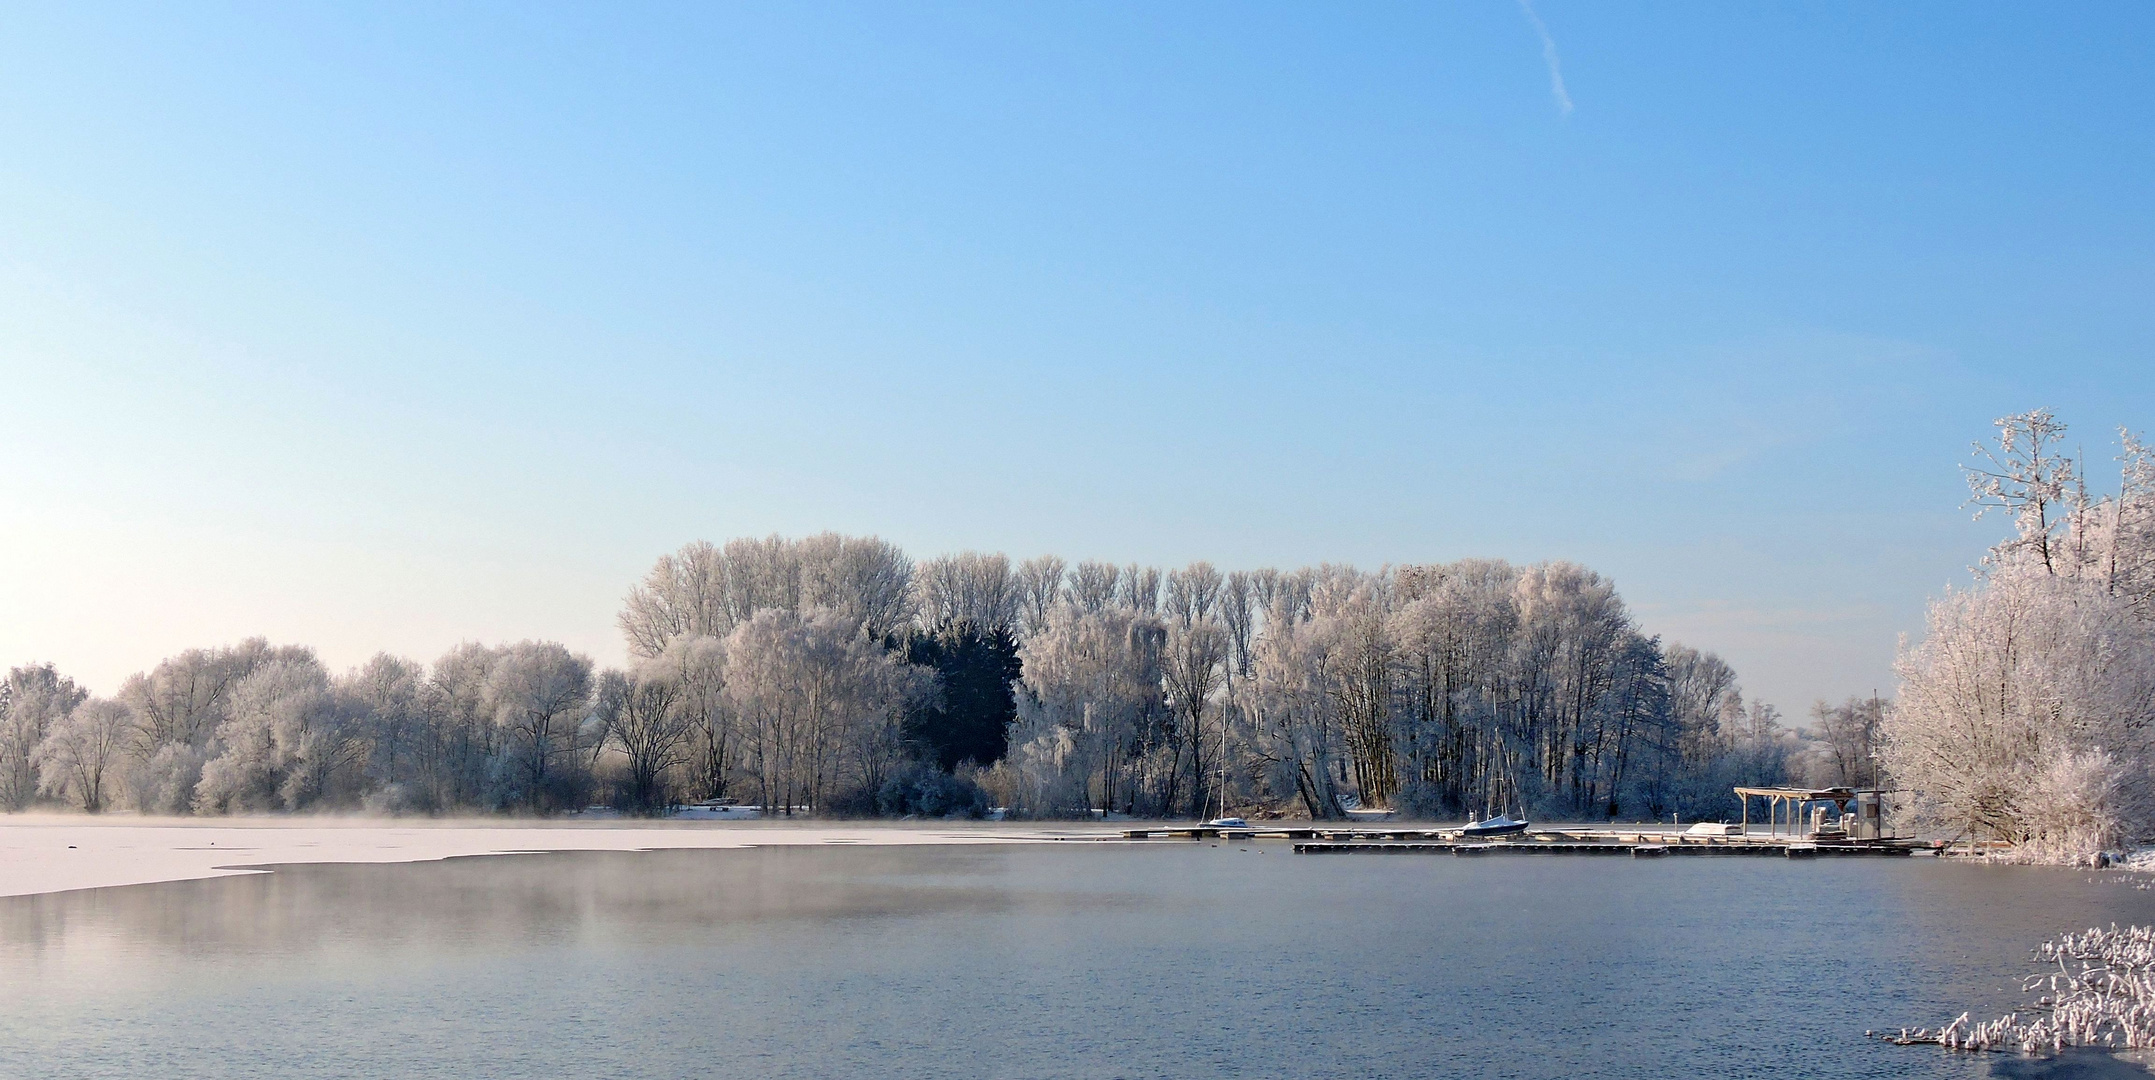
1224,821
1499,825
1494,825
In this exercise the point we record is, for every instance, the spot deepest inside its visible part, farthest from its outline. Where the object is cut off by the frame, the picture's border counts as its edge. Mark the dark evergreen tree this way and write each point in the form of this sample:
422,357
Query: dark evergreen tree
972,722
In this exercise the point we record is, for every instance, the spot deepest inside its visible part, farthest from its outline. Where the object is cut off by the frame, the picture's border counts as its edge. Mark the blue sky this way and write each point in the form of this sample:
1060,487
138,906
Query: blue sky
382,327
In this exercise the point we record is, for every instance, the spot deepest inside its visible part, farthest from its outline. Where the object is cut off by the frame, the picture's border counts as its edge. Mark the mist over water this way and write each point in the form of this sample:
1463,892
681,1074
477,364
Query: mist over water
1087,960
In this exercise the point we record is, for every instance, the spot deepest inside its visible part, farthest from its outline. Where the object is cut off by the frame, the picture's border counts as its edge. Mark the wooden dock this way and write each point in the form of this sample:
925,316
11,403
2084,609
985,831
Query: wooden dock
1328,839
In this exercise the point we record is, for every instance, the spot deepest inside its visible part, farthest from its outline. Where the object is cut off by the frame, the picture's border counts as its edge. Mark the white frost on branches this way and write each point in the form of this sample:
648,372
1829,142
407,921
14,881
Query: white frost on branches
2101,993
2027,712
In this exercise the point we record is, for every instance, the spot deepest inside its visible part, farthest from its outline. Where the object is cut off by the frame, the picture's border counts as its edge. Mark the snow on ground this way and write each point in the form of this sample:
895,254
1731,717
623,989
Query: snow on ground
55,853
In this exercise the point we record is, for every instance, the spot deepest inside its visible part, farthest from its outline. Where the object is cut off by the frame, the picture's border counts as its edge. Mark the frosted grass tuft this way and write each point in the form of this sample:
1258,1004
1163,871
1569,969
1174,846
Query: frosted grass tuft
2102,994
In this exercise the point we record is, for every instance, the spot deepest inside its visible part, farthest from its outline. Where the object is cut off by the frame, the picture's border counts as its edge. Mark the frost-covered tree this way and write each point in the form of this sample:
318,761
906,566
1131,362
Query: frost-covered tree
290,739
1193,668
1192,593
1522,688
1849,732
178,706
1700,745
867,581
1451,636
821,708
1356,606
1636,707
388,697
769,686
2126,555
539,696
2027,711
461,753
1138,588
2013,678
1040,589
2085,800
2027,476
1294,706
1702,691
884,690
647,724
1239,612
1091,710
685,594
81,756
970,589
1093,585
698,666
34,699
704,590
1572,631
761,575
2111,540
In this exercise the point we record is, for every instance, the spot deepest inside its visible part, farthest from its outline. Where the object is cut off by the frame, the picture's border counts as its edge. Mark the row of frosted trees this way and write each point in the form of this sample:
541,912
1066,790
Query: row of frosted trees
2027,713
1438,691
834,674
258,727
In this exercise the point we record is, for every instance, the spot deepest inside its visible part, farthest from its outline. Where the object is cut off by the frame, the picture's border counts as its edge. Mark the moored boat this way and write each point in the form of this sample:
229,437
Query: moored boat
1494,826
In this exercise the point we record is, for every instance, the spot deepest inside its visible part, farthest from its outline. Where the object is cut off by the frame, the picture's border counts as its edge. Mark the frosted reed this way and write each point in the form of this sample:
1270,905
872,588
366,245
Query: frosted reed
2101,993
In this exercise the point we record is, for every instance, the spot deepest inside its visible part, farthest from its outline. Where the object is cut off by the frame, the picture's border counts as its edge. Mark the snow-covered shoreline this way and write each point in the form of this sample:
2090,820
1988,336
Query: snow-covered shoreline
60,853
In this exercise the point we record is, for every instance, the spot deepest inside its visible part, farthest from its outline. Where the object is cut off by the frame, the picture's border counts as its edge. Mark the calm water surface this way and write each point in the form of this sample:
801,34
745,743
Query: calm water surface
1093,960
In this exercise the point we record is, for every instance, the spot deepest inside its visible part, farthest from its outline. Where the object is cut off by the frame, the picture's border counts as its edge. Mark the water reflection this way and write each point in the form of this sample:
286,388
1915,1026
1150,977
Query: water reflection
493,902
1093,960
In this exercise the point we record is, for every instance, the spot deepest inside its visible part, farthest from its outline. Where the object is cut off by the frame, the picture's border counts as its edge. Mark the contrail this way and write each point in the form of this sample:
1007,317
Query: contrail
1548,54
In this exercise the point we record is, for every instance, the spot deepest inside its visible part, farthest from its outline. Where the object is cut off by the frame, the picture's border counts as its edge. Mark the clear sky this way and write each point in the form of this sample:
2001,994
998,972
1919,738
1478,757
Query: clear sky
379,327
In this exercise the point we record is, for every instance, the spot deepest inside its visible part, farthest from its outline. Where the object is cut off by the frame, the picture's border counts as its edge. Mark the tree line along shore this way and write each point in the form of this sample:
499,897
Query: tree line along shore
834,675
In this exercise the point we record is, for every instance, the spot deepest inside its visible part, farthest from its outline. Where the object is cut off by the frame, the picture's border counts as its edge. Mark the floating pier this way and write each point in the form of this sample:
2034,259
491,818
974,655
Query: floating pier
1801,823
1647,842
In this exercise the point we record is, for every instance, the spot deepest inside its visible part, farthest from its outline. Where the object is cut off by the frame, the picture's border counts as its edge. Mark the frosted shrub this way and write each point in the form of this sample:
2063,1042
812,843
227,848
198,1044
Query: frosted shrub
2079,804
919,789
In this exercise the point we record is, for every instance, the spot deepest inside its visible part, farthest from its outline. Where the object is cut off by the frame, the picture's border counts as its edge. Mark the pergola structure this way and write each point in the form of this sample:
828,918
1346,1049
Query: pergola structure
1791,805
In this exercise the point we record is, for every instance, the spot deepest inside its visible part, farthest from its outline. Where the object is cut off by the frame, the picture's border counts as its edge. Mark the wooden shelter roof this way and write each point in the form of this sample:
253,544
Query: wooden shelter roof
1831,794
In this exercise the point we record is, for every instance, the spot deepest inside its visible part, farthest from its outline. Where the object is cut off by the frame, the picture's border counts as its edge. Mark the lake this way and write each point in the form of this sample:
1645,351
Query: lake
1089,960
